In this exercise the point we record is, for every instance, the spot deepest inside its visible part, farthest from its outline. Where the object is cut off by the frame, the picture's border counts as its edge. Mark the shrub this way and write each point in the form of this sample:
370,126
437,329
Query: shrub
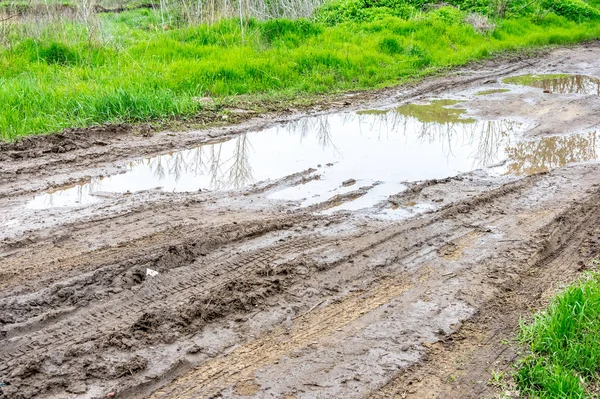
338,11
575,10
447,15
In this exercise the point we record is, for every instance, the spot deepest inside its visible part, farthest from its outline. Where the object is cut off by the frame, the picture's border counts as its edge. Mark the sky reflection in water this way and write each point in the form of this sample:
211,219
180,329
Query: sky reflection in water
381,148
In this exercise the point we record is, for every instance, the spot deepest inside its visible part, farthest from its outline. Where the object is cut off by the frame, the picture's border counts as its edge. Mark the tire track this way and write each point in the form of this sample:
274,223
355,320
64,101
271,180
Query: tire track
215,375
162,293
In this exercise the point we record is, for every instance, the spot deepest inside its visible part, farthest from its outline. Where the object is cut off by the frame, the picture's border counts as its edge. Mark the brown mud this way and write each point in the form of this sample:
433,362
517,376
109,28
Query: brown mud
235,294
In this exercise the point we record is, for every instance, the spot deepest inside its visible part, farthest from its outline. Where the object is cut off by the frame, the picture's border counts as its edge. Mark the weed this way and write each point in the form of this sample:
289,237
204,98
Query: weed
498,379
563,347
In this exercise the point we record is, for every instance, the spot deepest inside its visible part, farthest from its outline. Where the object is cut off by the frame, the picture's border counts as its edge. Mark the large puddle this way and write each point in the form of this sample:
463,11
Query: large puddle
378,151
561,83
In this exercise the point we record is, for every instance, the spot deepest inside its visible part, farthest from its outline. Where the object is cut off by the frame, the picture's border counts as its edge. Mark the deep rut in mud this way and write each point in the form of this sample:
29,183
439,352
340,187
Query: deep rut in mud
316,281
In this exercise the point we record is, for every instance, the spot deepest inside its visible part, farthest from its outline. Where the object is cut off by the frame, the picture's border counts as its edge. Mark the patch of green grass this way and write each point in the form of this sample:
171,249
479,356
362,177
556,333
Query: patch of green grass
436,111
497,379
135,69
563,359
531,79
491,91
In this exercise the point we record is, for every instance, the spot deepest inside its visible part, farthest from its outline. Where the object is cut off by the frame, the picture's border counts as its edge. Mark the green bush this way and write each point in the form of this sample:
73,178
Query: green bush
575,10
450,16
338,11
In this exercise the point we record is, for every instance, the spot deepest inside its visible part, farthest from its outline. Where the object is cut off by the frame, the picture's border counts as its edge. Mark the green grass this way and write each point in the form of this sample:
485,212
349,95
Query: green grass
436,111
491,91
131,70
563,359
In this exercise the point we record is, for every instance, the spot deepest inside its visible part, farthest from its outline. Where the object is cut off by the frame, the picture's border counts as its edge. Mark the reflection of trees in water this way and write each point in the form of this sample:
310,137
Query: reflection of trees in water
228,165
210,160
214,165
240,172
494,140
159,170
529,157
176,163
493,136
79,192
315,125
577,84
489,137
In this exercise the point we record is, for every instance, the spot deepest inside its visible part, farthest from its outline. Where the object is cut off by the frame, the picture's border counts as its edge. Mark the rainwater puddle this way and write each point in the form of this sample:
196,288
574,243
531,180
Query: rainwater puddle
561,83
379,150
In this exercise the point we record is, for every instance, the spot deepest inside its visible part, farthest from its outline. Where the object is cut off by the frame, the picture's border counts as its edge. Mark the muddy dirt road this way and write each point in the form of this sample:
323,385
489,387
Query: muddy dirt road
384,247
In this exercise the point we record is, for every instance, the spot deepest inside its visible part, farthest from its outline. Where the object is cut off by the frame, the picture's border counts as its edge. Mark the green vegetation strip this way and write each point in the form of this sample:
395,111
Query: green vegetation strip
131,67
564,345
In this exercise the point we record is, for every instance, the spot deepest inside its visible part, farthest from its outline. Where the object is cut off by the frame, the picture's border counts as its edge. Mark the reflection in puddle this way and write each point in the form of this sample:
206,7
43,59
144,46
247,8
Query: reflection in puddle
378,149
563,84
529,157
397,146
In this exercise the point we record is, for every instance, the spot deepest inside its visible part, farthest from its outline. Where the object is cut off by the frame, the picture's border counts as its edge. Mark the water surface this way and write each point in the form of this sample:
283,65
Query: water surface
559,83
381,150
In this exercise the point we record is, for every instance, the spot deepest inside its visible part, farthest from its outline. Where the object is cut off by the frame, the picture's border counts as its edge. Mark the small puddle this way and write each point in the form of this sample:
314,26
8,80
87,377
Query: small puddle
559,83
376,151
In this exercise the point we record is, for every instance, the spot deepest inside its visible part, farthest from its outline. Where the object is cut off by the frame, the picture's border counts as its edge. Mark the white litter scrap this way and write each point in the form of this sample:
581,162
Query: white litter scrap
151,273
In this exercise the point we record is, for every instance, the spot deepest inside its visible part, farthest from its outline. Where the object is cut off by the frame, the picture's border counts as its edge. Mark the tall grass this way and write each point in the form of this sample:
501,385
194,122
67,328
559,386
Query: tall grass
81,68
563,343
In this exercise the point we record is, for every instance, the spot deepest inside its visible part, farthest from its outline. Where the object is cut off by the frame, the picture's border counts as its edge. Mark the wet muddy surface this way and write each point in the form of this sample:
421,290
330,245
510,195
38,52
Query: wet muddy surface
382,249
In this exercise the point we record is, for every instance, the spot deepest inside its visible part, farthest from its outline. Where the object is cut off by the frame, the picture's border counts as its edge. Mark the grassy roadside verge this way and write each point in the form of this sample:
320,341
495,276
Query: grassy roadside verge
563,341
130,71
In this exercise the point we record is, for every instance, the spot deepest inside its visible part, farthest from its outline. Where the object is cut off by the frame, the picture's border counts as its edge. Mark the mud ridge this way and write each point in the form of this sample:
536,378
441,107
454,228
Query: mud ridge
111,277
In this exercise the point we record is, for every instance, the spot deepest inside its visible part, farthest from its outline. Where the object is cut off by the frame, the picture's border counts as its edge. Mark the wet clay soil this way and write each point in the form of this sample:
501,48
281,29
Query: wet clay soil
384,248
